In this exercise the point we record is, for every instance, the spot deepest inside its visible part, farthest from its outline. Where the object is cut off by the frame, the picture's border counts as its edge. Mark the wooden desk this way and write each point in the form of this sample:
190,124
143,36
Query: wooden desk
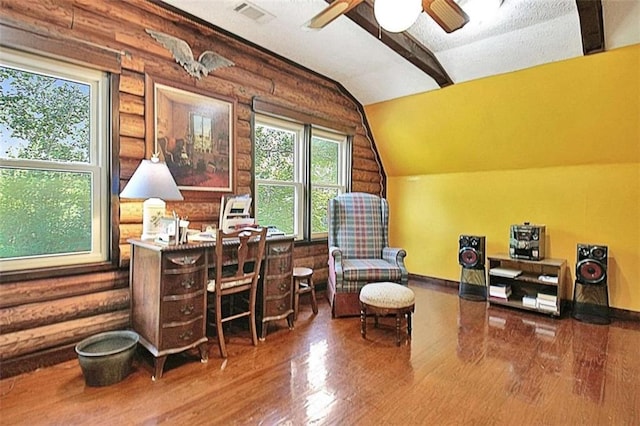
168,285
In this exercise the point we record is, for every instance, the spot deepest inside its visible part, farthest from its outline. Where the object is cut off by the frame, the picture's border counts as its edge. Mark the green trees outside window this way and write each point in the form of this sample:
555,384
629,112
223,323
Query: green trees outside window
275,170
49,164
325,179
298,168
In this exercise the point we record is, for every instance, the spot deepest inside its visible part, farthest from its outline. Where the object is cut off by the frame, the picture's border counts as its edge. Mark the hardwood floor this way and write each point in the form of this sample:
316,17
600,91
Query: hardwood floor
466,364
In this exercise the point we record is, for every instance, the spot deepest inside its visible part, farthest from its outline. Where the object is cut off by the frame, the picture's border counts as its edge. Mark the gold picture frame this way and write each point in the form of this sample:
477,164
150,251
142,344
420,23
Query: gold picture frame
194,133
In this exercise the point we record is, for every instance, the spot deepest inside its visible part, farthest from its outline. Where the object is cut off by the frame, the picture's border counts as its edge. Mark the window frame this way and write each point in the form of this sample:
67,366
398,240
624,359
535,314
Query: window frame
343,142
302,168
98,166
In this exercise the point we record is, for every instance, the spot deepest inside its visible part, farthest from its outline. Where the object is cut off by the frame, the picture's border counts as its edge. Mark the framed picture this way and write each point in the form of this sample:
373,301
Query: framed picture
194,134
167,227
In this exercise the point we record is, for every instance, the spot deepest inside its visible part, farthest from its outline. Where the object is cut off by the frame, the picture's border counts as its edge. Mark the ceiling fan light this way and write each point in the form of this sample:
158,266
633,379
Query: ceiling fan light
482,10
396,15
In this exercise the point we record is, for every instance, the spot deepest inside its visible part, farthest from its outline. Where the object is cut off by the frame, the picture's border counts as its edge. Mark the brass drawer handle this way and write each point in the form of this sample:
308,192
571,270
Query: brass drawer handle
186,335
280,250
189,260
187,310
282,307
283,266
188,283
184,260
283,287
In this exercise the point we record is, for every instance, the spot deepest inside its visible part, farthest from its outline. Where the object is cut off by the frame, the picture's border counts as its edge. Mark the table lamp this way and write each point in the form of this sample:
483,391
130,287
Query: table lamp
152,180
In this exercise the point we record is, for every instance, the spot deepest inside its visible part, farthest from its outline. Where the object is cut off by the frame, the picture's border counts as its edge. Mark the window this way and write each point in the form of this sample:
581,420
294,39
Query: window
53,163
327,176
298,168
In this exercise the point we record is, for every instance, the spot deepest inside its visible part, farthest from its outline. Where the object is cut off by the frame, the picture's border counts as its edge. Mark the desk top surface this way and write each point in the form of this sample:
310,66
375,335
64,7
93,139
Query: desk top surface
158,246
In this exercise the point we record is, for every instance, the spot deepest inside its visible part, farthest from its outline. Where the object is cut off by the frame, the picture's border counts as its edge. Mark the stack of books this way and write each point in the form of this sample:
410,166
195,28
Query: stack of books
546,302
501,291
504,272
548,278
529,301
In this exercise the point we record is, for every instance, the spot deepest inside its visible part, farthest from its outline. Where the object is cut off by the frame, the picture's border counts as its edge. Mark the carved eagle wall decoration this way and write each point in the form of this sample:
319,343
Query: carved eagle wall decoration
207,62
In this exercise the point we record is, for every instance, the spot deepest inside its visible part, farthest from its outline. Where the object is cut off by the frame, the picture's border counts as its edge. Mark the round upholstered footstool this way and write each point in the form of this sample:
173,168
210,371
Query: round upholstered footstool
386,299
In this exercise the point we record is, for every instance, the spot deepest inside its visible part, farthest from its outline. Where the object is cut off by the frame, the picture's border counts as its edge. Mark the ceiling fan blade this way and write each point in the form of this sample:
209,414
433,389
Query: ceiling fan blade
331,12
446,13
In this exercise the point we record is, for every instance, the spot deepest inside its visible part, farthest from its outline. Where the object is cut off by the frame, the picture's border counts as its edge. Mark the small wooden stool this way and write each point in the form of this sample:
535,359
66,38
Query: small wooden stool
383,299
303,281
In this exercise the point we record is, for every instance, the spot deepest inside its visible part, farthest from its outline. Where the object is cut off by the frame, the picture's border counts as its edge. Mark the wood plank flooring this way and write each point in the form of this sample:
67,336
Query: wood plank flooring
467,364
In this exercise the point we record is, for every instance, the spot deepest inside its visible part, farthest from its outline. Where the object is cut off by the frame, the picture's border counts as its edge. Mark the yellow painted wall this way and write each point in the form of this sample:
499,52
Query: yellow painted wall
557,145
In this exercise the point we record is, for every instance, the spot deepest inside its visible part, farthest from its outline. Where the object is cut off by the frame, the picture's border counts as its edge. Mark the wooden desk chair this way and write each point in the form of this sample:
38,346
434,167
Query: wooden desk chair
238,258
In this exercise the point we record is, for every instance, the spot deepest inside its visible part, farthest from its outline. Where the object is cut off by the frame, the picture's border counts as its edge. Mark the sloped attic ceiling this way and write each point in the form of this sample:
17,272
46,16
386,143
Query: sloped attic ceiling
522,34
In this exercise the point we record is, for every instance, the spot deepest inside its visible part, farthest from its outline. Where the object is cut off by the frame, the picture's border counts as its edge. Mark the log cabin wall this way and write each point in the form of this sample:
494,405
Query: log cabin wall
44,315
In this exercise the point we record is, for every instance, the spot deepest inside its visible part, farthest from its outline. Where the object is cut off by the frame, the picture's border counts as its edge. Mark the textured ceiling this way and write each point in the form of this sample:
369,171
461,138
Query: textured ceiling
523,34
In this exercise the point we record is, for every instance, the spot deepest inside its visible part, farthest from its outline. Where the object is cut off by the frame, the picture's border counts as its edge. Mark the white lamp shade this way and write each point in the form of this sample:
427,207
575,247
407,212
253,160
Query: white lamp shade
396,15
152,179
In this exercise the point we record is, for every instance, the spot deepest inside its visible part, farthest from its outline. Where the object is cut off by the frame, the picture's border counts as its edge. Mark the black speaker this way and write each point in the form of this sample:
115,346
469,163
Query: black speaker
471,252
473,285
591,267
590,292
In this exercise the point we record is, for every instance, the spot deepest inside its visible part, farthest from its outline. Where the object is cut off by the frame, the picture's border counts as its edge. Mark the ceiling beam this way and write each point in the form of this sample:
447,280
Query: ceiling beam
591,25
402,43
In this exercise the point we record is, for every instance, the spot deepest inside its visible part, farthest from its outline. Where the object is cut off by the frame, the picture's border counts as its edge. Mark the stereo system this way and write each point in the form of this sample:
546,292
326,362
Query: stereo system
527,241
591,266
471,252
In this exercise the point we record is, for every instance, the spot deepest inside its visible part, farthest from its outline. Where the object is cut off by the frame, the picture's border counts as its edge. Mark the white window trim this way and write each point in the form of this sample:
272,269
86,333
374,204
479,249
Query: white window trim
341,140
301,151
296,183
97,166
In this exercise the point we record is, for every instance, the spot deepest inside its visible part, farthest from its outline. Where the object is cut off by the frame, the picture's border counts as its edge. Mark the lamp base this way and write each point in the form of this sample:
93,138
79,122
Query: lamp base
153,210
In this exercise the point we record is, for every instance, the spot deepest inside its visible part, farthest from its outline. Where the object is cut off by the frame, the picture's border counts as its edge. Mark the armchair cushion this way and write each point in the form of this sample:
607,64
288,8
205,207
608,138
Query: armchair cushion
369,270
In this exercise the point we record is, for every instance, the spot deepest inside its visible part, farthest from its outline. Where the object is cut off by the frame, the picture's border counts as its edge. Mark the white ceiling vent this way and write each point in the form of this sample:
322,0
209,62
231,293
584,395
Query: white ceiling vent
253,12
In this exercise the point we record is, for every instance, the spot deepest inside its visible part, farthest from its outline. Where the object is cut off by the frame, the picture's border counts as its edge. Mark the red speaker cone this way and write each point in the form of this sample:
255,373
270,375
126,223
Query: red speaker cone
591,271
469,257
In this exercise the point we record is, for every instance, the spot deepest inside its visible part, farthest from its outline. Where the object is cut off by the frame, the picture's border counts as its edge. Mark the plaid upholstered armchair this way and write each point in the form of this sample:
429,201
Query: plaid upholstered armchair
358,252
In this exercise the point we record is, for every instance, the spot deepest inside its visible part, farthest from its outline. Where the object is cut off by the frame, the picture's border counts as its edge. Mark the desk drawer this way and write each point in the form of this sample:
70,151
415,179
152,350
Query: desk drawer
279,258
277,307
279,248
176,336
279,266
183,261
183,309
176,284
278,286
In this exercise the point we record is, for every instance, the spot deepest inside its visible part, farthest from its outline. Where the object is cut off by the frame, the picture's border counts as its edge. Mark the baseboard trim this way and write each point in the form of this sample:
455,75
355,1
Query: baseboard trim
37,360
624,314
435,281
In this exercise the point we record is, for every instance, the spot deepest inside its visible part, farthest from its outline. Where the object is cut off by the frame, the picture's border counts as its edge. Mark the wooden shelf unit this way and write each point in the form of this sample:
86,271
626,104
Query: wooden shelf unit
527,283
